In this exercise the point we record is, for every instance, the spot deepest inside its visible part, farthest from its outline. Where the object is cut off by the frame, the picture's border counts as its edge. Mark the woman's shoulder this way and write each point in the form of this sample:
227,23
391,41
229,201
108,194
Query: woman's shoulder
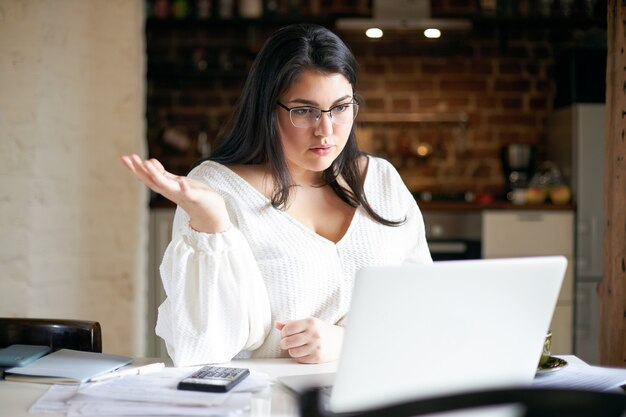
208,171
220,175
385,189
380,168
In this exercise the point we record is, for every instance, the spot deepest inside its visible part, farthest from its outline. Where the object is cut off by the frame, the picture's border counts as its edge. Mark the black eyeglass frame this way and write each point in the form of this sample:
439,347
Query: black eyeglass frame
289,109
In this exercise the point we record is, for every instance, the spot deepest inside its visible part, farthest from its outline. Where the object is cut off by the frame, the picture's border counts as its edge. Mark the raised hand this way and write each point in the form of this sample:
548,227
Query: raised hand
311,340
205,208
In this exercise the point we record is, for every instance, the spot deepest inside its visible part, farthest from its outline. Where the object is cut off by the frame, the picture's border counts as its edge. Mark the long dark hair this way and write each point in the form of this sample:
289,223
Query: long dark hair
251,136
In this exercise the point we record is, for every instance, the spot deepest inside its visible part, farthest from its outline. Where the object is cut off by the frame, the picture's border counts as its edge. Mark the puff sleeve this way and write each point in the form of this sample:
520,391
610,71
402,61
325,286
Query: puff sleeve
217,304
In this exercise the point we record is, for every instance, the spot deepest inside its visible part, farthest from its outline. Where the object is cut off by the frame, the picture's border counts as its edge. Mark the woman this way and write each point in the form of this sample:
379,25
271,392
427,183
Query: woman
269,232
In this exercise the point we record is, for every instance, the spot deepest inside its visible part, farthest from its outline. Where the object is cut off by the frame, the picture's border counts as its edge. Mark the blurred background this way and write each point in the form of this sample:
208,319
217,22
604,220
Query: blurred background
496,124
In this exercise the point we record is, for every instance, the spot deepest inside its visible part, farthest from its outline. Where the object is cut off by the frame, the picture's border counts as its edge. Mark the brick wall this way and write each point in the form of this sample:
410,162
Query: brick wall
502,80
506,95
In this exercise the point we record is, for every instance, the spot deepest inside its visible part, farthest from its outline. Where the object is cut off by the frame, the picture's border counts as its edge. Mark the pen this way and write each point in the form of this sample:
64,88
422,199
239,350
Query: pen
137,370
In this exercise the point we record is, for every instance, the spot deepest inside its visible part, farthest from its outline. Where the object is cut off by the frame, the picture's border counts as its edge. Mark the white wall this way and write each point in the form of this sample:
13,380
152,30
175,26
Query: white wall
73,222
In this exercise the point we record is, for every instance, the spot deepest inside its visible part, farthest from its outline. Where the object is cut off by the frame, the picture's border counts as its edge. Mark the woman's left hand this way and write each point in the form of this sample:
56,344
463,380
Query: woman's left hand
311,340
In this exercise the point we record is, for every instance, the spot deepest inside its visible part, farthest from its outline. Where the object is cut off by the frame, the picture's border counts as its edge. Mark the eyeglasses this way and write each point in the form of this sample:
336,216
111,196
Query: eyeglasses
307,116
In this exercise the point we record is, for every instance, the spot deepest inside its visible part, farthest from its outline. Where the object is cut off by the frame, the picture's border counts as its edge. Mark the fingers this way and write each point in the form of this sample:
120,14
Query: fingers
296,326
307,359
155,174
128,163
135,164
162,170
310,340
305,354
301,347
294,341
150,172
158,165
299,337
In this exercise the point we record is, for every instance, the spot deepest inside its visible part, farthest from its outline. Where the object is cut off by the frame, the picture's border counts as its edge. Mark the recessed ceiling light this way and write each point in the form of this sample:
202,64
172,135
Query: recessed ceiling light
374,33
432,33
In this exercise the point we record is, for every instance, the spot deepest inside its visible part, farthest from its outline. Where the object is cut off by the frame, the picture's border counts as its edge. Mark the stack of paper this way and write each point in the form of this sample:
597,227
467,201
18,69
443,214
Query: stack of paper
67,366
154,395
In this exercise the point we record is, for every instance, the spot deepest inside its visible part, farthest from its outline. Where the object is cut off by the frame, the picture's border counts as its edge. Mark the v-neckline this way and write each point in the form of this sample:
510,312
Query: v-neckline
292,219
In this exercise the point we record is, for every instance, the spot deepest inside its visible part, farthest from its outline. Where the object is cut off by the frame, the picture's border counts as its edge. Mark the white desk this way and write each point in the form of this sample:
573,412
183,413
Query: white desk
276,401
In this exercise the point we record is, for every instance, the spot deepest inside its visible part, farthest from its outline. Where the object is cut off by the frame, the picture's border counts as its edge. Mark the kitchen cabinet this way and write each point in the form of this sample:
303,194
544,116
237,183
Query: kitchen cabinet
537,233
161,220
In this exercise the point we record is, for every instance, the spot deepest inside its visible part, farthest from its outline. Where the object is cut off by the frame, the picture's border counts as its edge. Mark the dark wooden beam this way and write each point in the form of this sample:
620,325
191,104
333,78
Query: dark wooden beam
613,286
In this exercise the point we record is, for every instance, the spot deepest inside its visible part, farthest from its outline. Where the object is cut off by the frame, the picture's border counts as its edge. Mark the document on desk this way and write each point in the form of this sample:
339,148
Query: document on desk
583,376
153,394
66,366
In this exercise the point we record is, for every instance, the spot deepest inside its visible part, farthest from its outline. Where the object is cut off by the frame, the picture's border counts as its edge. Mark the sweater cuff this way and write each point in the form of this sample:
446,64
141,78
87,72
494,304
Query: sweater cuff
211,242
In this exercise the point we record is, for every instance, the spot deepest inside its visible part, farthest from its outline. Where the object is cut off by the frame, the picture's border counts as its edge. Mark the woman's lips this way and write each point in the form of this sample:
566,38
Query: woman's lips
321,150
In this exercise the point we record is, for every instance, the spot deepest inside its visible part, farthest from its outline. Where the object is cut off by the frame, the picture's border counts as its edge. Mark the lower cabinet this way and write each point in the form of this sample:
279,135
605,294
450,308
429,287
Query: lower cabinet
161,220
537,233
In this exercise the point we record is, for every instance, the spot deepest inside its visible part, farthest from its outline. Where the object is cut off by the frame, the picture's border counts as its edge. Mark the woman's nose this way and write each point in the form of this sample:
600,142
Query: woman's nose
324,125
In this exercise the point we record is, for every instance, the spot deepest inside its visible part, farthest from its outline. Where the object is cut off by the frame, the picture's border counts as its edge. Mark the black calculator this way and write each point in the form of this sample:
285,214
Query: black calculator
214,379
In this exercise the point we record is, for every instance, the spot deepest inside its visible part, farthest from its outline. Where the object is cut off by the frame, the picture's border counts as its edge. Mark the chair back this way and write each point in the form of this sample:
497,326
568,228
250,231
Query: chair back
532,402
56,333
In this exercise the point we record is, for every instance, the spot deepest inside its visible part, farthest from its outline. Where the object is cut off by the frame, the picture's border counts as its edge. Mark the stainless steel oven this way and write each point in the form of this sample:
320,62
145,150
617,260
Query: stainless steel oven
453,235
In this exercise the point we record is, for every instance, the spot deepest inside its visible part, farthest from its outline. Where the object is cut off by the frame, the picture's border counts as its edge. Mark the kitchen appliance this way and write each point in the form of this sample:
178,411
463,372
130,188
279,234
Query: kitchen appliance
575,142
453,235
518,166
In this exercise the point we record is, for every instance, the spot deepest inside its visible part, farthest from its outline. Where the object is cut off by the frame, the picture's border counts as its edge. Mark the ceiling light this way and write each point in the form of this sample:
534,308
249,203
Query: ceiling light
432,33
374,33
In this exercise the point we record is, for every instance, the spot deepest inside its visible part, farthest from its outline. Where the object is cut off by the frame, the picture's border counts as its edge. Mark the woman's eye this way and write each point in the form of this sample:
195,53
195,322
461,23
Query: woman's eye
302,111
341,108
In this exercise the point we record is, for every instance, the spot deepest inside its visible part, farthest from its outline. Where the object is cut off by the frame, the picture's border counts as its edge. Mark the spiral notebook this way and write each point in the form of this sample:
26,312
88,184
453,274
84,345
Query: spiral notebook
67,366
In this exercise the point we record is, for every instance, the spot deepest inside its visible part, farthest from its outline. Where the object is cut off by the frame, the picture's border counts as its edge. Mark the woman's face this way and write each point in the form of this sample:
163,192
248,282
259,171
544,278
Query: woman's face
313,149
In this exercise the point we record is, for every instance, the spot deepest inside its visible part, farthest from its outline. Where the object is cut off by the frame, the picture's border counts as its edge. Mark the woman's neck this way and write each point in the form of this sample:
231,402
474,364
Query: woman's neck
305,178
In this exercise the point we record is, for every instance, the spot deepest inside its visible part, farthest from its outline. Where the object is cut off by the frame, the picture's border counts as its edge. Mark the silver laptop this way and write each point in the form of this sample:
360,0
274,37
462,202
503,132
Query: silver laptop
421,330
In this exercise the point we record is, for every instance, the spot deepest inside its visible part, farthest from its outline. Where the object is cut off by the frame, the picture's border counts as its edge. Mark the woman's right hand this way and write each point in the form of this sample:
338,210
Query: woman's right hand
206,208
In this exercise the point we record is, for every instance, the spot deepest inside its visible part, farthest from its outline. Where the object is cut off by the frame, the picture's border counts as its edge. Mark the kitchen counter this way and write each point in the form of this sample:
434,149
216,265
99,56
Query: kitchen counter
494,205
445,205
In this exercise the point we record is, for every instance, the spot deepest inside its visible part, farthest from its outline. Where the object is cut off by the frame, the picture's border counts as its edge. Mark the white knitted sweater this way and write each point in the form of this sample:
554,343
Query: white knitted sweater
225,290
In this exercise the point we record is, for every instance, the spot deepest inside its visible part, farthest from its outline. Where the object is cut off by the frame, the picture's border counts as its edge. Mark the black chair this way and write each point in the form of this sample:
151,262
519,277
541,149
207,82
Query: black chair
56,333
533,402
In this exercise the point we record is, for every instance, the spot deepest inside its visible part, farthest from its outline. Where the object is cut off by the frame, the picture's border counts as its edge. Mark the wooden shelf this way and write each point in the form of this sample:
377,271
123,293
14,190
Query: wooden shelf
538,22
459,118
219,23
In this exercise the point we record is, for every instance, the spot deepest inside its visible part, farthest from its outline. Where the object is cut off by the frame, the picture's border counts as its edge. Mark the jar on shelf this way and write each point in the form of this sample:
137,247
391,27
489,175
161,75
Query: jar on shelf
250,9
204,9
180,9
161,9
226,9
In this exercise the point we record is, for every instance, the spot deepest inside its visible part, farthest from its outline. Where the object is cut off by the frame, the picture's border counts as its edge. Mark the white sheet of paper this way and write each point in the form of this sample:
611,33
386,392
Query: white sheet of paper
154,394
582,376
84,406
54,400
149,389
